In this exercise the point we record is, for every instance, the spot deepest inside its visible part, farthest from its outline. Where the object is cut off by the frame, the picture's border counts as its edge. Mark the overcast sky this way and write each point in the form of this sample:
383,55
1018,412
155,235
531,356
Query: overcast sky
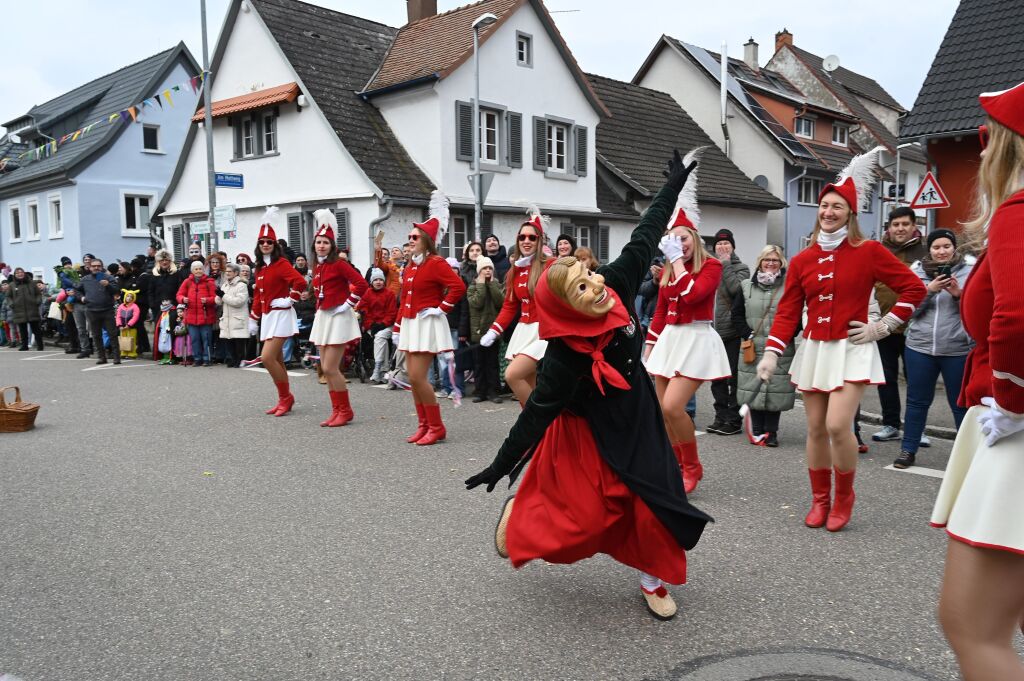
892,42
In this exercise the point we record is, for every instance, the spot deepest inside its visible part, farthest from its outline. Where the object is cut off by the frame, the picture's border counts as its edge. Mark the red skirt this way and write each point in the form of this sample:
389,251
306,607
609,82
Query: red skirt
571,505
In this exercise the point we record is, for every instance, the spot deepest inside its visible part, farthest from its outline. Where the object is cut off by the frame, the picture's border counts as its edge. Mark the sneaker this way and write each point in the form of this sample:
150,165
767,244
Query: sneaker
926,442
440,394
101,361
727,429
716,427
886,434
904,460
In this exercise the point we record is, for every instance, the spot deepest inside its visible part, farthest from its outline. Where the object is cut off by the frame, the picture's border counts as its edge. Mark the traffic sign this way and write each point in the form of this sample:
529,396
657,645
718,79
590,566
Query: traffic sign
485,184
224,218
199,228
232,180
930,194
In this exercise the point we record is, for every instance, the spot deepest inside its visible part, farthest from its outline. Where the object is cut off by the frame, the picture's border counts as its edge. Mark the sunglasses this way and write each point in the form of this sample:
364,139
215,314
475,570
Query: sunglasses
527,237
414,237
983,135
266,242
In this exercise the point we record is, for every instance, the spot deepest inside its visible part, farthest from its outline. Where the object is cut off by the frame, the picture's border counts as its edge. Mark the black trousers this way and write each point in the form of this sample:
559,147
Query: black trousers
37,331
724,390
98,321
891,350
234,350
764,421
485,369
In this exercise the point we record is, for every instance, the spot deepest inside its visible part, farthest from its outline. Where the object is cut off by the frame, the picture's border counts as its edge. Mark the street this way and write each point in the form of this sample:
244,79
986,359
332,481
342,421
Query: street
157,525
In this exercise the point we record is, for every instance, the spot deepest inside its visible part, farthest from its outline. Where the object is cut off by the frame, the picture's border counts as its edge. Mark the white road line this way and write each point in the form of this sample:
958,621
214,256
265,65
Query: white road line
919,470
38,357
264,371
101,367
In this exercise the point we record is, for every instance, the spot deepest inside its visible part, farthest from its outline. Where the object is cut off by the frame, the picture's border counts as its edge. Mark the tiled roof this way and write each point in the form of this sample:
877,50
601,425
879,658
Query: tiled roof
832,157
95,100
334,54
983,51
645,126
253,100
609,202
763,78
855,82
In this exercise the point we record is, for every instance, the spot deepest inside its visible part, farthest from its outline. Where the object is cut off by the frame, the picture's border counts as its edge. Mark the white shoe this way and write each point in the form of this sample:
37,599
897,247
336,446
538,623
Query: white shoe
925,441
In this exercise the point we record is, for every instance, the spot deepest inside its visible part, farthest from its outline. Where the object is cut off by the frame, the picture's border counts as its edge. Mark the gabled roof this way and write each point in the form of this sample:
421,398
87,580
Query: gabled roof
93,101
853,81
644,128
435,46
983,51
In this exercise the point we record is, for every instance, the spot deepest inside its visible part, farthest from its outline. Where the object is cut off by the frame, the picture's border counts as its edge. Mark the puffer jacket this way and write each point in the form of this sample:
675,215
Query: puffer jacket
734,273
484,302
24,298
748,307
935,328
234,319
191,294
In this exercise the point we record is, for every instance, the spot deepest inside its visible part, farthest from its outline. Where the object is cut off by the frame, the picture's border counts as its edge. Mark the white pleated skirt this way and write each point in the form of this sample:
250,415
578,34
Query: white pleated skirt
425,334
334,329
981,500
694,351
279,324
526,341
824,366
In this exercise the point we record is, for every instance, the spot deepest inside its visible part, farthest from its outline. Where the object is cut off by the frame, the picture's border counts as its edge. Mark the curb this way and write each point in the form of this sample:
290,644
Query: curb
940,432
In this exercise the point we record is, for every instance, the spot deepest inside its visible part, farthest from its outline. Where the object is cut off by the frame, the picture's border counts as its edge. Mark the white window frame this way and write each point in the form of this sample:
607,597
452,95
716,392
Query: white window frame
55,214
269,132
14,208
32,226
486,116
250,139
551,152
845,136
140,229
815,186
524,49
159,148
796,127
456,238
584,236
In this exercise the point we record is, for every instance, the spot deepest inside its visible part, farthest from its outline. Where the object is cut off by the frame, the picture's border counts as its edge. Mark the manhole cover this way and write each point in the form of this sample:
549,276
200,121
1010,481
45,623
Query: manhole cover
793,665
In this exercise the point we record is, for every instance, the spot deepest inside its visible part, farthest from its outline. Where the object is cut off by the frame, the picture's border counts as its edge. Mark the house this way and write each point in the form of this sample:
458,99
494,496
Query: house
63,193
946,115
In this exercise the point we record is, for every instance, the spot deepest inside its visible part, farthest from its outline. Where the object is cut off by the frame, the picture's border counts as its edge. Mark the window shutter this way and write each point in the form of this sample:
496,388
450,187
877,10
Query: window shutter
486,226
341,238
178,240
515,140
540,143
237,128
463,131
581,151
295,232
602,244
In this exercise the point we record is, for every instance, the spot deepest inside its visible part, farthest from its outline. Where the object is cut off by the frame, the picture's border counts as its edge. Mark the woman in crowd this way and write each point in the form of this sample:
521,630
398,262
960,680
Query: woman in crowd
682,348
470,254
753,311
25,297
565,246
834,277
485,297
278,286
234,327
377,307
586,256
215,263
163,287
430,289
980,502
243,259
525,348
936,340
337,288
198,294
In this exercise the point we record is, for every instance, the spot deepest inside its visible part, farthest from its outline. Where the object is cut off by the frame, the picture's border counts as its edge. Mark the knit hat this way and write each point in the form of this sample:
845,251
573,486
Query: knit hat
1006,107
375,274
941,234
725,235
482,262
90,256
65,261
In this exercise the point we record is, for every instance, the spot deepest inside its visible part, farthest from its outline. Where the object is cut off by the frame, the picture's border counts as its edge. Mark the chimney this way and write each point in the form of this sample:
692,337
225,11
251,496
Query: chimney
420,9
750,53
783,37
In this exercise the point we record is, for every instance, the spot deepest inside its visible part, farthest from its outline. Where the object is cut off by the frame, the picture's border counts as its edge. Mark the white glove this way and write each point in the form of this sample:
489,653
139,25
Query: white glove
430,312
766,367
489,338
672,246
254,327
344,307
281,303
861,333
996,423
394,338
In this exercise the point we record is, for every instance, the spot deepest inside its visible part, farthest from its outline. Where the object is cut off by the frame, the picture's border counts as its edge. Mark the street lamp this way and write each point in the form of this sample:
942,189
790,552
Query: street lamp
481,21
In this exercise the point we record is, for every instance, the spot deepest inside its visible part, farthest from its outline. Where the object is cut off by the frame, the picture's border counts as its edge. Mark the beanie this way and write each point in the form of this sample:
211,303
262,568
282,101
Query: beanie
482,262
941,234
725,235
375,274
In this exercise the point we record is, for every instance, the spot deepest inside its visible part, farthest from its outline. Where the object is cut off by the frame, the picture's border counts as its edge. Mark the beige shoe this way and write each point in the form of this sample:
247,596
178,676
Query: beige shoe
660,603
499,531
320,375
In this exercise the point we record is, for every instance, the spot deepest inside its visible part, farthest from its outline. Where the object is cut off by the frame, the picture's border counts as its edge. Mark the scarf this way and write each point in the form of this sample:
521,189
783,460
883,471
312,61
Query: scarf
418,258
582,333
931,267
830,242
767,278
524,261
267,259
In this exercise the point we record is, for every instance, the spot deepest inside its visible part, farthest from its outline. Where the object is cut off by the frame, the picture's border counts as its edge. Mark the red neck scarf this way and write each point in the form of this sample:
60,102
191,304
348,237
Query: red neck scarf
584,334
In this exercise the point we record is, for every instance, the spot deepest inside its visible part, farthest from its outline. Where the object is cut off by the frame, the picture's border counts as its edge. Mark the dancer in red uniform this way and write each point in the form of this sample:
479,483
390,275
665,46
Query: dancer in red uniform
683,350
278,286
430,289
526,347
834,277
338,288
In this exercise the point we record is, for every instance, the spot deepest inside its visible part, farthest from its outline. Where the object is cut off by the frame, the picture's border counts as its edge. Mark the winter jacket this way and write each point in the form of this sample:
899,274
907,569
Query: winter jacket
458,318
936,328
501,263
909,252
377,307
234,319
748,308
127,315
484,302
392,273
25,298
191,293
164,286
734,273
99,298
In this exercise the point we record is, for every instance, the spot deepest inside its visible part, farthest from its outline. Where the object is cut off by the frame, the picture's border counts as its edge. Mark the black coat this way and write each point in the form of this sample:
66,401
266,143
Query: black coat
164,287
627,425
501,263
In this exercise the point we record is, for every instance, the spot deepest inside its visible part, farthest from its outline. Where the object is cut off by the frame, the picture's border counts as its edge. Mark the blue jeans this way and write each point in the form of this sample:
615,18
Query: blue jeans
922,373
446,383
200,335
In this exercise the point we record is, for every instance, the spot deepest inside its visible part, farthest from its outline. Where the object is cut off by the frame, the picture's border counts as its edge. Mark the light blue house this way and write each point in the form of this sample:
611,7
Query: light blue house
95,193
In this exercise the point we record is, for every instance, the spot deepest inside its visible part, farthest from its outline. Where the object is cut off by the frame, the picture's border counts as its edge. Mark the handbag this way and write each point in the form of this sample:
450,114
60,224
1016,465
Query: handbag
747,344
126,341
55,312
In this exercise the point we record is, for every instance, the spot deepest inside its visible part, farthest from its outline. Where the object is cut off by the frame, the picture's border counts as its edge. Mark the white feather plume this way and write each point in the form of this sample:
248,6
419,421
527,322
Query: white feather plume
688,196
863,169
438,208
270,215
323,217
533,211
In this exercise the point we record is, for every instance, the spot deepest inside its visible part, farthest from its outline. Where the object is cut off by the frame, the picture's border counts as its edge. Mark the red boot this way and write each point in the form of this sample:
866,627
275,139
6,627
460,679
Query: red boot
436,432
821,493
342,409
422,430
842,507
334,409
285,400
693,472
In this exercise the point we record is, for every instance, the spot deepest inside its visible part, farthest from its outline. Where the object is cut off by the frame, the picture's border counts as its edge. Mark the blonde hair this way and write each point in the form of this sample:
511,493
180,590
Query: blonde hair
586,256
698,257
765,252
536,267
999,177
558,275
854,236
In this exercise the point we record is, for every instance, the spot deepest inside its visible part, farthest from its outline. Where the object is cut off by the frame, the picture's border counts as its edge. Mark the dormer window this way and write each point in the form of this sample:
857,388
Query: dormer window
255,134
840,135
524,49
804,127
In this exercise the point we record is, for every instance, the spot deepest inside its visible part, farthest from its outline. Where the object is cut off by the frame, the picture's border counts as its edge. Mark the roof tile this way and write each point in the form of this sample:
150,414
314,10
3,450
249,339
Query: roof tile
253,100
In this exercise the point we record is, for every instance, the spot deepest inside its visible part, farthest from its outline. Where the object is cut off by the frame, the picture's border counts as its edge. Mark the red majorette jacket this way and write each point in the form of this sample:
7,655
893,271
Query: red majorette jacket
430,284
337,282
517,301
836,286
687,299
993,314
276,280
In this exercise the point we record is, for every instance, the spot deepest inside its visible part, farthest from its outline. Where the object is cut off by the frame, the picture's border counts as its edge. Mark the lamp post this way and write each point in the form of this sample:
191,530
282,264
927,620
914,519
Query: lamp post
481,21
208,130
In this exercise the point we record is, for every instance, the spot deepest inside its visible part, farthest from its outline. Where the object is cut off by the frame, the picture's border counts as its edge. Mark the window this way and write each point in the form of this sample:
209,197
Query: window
136,214
269,133
583,237
56,218
524,49
151,138
500,134
32,211
840,135
255,134
804,127
488,136
560,148
456,237
248,137
15,212
808,191
557,143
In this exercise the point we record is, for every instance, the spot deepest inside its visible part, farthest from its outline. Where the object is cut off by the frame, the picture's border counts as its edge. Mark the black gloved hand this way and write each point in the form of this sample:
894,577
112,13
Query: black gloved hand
488,475
219,293
677,173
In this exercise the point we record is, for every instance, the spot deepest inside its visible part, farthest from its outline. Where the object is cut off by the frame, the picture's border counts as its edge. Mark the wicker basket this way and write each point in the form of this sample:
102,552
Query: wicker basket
16,416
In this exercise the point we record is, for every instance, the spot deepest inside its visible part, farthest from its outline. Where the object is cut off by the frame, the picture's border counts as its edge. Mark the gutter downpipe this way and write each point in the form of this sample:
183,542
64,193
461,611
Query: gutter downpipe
373,224
724,98
786,222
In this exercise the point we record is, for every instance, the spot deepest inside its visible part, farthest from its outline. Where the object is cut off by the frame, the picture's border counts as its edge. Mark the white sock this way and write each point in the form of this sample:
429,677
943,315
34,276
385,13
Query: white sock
649,583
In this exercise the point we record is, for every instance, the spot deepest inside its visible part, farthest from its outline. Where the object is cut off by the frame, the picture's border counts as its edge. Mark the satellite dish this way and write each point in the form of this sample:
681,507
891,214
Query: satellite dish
830,63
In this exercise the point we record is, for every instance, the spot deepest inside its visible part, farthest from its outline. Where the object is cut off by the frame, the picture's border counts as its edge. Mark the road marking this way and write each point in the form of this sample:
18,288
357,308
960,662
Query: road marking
919,470
118,366
38,357
264,371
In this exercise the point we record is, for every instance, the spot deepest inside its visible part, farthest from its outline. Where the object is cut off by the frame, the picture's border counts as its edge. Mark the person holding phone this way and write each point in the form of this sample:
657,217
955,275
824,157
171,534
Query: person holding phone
936,340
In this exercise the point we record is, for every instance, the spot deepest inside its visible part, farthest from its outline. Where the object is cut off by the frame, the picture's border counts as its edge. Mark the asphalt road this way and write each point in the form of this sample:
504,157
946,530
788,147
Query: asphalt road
157,525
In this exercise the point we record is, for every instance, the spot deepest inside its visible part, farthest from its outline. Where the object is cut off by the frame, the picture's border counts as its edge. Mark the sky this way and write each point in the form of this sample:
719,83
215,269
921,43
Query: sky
892,42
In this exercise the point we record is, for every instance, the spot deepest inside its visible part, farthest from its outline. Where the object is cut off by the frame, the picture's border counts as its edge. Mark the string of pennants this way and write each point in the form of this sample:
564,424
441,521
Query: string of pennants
131,114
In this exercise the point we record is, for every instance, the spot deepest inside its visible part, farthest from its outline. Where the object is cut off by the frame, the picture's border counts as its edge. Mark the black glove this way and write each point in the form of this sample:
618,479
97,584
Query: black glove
219,293
675,176
488,475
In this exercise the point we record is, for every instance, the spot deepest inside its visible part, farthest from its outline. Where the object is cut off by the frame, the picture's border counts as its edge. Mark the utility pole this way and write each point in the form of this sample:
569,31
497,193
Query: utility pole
208,128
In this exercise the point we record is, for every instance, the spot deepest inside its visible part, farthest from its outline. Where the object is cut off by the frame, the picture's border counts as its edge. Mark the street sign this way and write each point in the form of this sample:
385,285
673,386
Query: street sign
930,195
232,180
485,184
199,227
224,218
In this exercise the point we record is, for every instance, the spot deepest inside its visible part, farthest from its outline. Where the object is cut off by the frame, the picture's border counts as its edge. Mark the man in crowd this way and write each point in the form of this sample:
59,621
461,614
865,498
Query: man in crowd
727,411
101,291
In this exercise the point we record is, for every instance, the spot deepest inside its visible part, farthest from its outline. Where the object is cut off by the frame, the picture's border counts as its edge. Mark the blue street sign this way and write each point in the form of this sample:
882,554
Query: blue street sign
233,180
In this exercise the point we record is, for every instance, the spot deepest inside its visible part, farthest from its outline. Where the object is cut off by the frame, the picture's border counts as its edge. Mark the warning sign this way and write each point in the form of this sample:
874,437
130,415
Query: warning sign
930,195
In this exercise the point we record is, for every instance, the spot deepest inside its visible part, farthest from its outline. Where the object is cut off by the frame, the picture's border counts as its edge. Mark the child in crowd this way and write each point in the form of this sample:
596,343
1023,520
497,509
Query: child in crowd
182,343
164,334
125,319
377,307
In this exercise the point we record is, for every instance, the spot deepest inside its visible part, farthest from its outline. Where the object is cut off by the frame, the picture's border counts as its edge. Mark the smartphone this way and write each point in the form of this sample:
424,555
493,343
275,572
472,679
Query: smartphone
944,271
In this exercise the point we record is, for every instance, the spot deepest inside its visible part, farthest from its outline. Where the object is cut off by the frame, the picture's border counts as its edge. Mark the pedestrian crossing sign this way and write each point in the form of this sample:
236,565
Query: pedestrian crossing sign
930,194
